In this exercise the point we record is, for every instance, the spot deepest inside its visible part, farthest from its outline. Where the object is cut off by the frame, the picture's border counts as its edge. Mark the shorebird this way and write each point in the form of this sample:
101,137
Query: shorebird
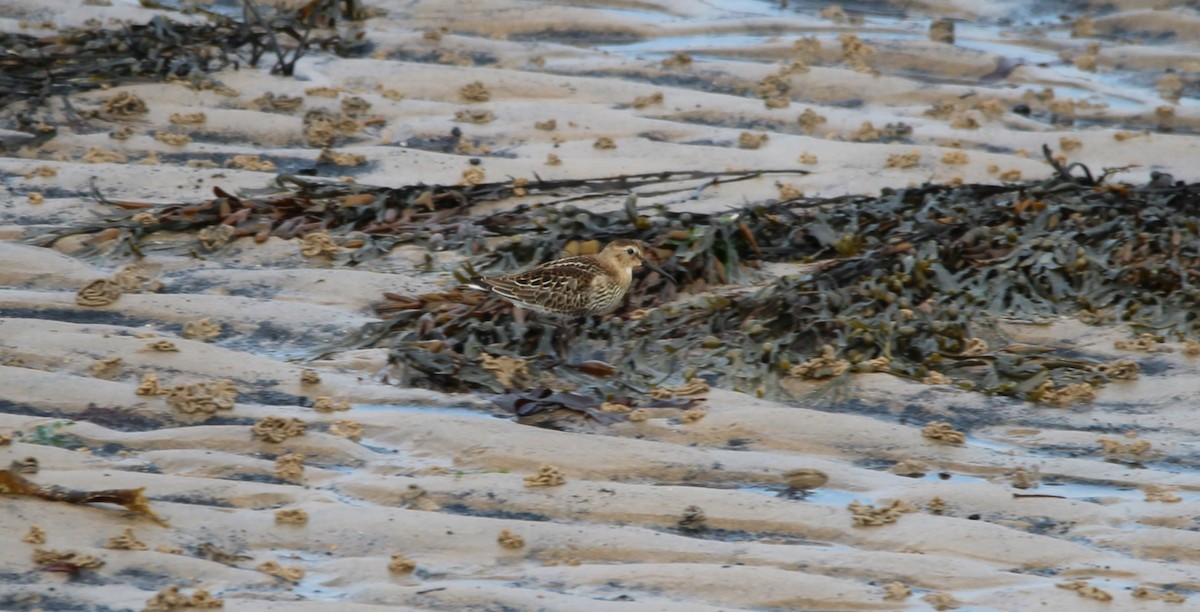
586,285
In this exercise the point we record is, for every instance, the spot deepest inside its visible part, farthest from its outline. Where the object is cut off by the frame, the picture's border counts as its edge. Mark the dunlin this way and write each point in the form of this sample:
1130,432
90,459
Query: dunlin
587,285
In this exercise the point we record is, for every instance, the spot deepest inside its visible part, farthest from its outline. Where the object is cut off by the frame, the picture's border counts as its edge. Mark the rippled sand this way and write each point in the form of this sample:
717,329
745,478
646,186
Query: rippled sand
438,478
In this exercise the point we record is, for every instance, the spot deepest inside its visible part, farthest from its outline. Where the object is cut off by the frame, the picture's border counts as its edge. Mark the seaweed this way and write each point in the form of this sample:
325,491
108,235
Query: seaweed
133,500
36,69
913,282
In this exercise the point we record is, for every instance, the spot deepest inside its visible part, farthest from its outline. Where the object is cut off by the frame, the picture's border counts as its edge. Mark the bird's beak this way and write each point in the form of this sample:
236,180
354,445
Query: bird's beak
648,264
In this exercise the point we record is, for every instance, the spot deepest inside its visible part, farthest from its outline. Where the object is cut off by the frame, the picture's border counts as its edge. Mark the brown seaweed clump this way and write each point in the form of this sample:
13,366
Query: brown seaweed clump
201,398
291,516
201,329
351,430
508,539
941,601
276,429
291,574
36,535
290,467
100,292
171,599
943,432
328,404
865,515
547,476
895,591
73,558
126,541
401,564
1086,590
693,519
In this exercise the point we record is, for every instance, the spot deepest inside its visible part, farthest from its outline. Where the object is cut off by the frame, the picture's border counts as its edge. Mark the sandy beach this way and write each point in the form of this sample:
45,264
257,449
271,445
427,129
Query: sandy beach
276,482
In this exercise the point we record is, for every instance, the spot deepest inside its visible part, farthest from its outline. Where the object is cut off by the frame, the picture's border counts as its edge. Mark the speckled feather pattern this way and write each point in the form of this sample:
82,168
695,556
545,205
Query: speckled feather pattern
587,285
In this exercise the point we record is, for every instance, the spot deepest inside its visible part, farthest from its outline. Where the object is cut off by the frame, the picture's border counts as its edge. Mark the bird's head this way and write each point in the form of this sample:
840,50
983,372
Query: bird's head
630,254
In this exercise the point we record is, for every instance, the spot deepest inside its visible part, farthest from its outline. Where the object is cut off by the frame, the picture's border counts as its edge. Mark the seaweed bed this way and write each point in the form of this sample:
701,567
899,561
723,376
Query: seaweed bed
911,282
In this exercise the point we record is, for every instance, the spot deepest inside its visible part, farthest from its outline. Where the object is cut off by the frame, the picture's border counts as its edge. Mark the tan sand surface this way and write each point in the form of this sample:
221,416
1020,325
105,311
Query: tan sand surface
661,514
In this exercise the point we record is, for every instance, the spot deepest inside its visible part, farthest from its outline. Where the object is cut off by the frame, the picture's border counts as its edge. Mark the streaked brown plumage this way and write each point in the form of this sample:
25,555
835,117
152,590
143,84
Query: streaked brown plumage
586,285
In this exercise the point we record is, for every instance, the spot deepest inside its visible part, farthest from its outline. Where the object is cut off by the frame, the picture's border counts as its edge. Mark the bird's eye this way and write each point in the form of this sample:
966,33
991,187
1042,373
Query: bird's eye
629,251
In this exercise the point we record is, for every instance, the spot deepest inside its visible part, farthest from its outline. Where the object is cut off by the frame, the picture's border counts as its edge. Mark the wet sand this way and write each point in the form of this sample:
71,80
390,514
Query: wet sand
1065,508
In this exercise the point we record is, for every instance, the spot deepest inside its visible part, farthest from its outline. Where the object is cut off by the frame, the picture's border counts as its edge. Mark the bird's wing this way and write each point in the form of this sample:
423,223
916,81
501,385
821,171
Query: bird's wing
557,285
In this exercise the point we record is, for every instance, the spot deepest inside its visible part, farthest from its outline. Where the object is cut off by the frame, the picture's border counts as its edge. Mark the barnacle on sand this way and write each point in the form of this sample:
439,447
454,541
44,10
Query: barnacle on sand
289,467
105,368
328,404
291,516
347,429
1085,590
692,415
941,431
149,385
825,365
639,415
864,515
126,541
508,539
318,243
36,535
271,101
163,346
547,476
896,590
509,371
277,429
604,142
78,559
133,500
291,574
100,292
170,599
310,377
401,564
614,407
693,519
201,329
